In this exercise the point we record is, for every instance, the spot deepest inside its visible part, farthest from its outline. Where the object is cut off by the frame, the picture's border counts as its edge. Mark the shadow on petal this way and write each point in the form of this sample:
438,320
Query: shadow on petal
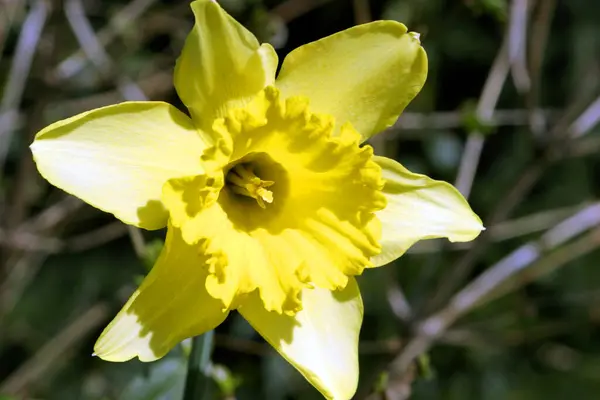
171,305
321,340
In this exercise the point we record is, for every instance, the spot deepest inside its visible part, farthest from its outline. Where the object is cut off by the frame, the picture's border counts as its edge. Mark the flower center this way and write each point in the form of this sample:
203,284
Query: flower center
242,180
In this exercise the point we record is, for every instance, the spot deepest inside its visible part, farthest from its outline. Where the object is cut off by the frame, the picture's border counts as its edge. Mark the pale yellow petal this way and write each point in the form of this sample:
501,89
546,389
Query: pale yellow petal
418,208
365,75
222,64
321,341
117,158
171,305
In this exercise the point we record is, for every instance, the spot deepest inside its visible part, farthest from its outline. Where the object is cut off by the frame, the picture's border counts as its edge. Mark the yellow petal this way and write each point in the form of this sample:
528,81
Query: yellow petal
222,65
418,208
171,305
117,158
319,228
321,341
365,75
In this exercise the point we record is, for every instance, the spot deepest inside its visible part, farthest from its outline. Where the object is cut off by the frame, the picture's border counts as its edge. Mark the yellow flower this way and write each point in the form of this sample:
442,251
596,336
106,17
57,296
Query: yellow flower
272,203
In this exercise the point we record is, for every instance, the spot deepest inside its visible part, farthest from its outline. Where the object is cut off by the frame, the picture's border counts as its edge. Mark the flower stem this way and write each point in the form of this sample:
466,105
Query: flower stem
197,380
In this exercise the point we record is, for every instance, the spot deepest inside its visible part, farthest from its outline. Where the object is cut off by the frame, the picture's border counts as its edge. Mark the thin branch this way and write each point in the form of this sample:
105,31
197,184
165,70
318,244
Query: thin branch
441,120
52,215
117,25
511,229
21,268
586,121
8,14
55,351
517,44
94,50
19,70
583,147
485,109
540,31
32,242
138,242
554,151
362,11
484,287
292,9
397,299
96,238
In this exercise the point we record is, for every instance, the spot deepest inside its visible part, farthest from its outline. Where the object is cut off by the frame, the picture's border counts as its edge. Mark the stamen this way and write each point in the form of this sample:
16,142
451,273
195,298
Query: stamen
243,181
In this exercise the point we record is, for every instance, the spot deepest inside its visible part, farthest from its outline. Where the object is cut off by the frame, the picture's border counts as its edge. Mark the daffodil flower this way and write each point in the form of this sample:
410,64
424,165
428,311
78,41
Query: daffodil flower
272,202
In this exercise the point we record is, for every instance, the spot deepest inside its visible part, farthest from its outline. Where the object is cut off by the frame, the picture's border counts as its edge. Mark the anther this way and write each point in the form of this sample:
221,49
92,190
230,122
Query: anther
243,181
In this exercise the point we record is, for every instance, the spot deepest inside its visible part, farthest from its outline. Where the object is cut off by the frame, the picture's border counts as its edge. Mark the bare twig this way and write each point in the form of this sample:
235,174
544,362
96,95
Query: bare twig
484,287
52,215
453,119
9,11
19,70
587,120
32,242
55,351
362,11
397,299
511,229
96,238
584,147
554,151
485,109
21,268
517,42
116,26
537,49
138,242
94,50
292,9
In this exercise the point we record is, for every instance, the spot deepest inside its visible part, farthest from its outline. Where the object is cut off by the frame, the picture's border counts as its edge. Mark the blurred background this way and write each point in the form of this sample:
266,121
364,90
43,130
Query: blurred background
509,115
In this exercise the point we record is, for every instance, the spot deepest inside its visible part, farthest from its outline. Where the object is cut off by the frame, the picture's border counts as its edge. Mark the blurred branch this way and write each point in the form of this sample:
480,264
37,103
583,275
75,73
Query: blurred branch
21,268
94,50
511,229
517,44
537,49
158,84
583,147
54,352
27,241
485,287
397,299
19,70
484,111
362,11
556,149
580,222
138,242
455,119
52,215
118,24
8,13
292,9
587,120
